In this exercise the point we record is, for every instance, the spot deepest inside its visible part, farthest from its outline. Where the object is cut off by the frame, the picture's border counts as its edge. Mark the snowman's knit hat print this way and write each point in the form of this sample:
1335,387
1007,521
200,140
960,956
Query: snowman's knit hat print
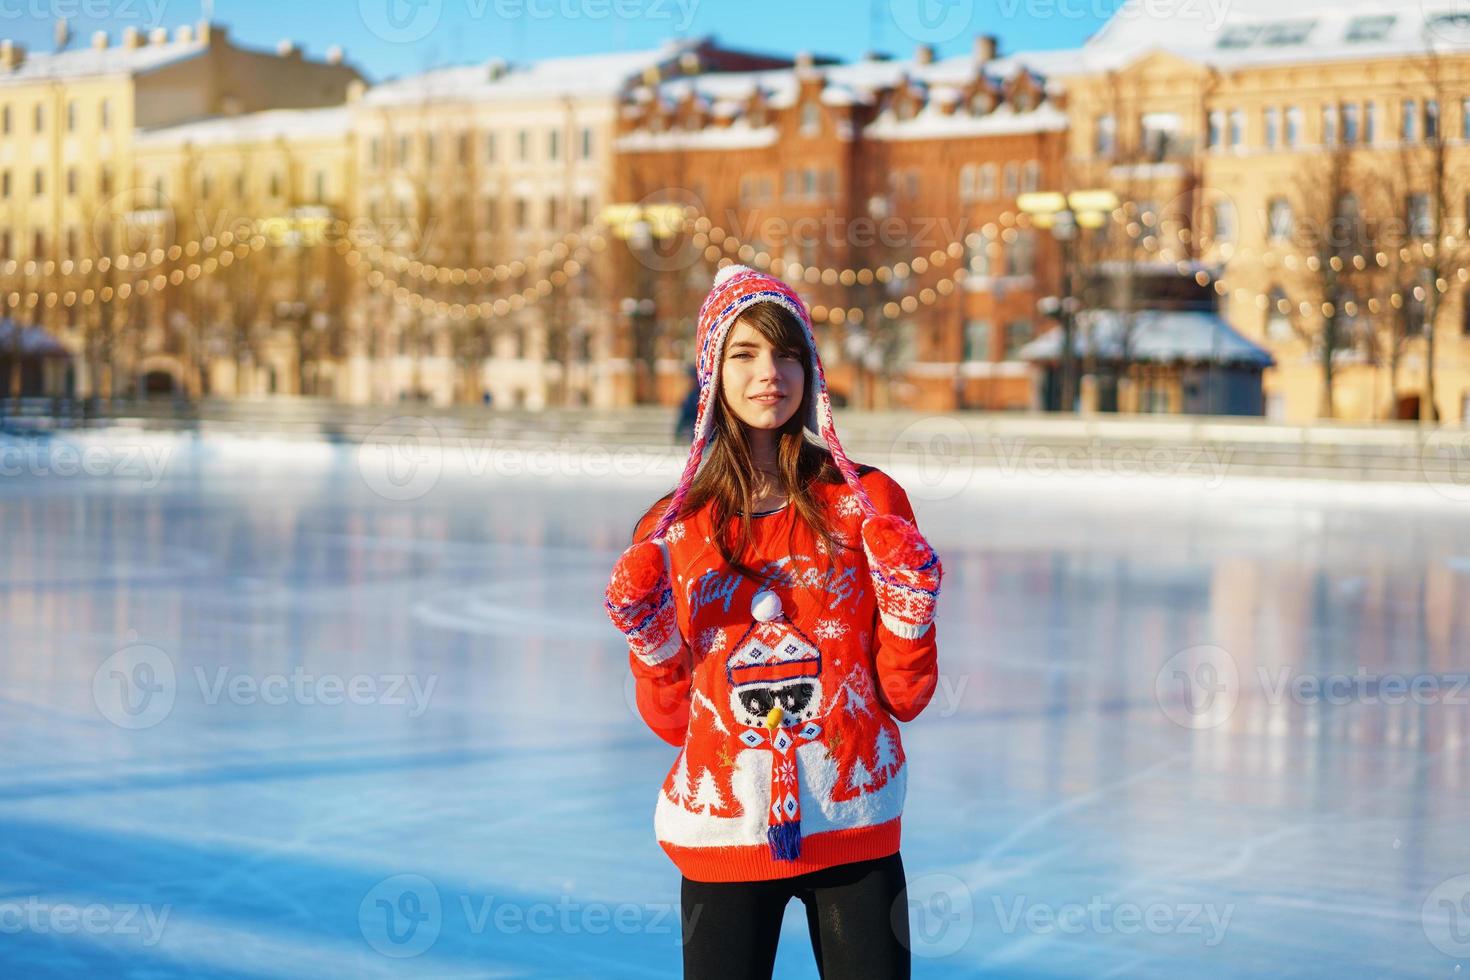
775,675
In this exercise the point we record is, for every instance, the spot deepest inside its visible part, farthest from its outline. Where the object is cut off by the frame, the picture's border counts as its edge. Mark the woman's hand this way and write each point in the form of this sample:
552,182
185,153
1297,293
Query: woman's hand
906,574
640,601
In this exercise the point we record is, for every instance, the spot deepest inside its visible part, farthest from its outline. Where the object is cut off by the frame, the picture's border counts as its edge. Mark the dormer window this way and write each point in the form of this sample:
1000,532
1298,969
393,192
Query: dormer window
811,119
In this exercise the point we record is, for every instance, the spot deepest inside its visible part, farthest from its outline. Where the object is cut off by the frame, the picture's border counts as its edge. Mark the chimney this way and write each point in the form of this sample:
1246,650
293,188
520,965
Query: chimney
159,35
924,54
11,55
286,48
99,40
985,45
130,38
804,61
184,34
63,34
356,89
334,55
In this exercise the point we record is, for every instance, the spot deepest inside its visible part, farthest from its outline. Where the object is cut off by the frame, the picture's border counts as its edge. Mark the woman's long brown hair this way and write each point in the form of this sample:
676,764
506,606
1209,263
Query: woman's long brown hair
726,477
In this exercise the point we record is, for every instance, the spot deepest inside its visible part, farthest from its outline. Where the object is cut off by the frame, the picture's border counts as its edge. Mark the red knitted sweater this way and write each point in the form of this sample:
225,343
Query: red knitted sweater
841,672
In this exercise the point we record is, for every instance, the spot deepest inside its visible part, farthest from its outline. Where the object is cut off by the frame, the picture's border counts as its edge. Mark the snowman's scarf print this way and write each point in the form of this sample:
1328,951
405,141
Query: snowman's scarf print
775,675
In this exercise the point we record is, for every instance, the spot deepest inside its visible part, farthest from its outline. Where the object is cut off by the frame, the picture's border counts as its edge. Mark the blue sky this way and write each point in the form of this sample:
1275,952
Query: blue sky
392,37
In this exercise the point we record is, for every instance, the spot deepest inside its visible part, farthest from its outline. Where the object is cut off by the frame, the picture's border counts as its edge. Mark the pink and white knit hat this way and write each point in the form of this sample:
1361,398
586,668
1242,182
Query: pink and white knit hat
736,289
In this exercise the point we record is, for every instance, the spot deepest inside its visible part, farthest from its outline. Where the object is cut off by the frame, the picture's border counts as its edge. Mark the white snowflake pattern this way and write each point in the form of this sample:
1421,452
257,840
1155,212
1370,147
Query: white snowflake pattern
848,506
711,640
675,532
830,629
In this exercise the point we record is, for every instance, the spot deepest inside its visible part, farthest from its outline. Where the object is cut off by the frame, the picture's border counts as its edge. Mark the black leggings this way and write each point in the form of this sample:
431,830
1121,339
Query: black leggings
856,914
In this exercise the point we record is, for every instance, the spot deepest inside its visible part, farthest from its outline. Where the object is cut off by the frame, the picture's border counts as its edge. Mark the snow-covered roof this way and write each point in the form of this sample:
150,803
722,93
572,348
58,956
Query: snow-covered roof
1259,32
112,60
583,76
1160,336
735,136
934,124
251,127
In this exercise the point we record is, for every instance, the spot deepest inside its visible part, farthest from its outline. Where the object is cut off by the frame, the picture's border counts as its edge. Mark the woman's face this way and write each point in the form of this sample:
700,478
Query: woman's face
763,387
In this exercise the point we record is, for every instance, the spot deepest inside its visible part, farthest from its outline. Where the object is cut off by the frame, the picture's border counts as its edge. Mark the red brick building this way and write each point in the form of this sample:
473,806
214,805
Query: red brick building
885,189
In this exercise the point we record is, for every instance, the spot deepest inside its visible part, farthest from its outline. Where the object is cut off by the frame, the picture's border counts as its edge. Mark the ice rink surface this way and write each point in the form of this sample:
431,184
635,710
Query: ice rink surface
275,709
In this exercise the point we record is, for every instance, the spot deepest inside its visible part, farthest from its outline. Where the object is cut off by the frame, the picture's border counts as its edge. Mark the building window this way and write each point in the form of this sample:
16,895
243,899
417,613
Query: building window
523,146
40,120
1021,254
1329,125
987,182
1293,126
5,185
553,145
977,340
553,212
275,185
465,151
1278,218
39,183
1431,119
71,116
375,152
1018,334
5,120
1370,123
1106,141
1237,129
521,213
403,147
1465,119
1216,131
967,182
1350,124
811,119
1278,315
586,142
584,211
1160,135
1409,124
38,245
492,214
104,180
1013,179
104,112
490,147
71,182
321,186
1031,177
429,142
1273,128
1223,216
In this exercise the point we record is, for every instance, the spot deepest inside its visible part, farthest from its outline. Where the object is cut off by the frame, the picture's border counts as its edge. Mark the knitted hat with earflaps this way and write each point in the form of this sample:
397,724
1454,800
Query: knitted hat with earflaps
736,289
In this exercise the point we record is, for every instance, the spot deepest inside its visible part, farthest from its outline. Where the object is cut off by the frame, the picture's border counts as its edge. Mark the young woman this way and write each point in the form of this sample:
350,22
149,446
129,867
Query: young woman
779,610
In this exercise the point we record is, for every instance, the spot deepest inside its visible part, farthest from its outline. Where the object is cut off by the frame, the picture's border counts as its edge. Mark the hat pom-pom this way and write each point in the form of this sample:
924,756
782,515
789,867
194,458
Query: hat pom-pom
729,271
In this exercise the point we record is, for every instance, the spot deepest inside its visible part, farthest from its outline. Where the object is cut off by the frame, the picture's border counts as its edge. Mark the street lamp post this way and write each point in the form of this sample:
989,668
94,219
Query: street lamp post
1064,215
